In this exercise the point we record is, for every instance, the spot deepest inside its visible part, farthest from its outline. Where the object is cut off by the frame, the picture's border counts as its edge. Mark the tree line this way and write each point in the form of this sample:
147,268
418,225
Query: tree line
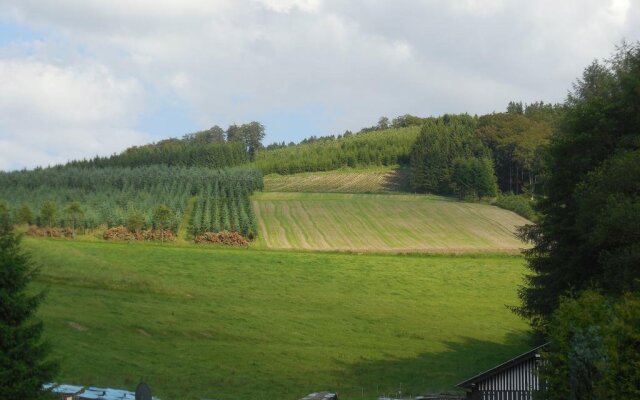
448,158
213,148
386,147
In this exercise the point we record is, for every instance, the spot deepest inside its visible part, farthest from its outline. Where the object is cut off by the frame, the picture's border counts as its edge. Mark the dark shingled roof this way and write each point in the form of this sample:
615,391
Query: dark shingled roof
498,369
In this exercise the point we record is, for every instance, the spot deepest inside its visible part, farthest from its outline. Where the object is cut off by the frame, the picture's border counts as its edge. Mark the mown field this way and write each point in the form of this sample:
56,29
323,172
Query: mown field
365,180
244,324
382,222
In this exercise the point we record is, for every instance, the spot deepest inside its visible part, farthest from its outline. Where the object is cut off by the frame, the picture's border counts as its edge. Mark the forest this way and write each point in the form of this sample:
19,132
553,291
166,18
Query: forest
499,156
114,196
380,147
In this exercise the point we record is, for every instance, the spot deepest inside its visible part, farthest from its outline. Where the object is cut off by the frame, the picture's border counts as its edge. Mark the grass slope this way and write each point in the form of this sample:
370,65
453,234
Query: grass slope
368,180
244,324
371,222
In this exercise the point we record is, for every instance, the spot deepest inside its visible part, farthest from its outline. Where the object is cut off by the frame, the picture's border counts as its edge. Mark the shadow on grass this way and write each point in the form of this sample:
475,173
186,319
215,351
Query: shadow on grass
436,372
397,181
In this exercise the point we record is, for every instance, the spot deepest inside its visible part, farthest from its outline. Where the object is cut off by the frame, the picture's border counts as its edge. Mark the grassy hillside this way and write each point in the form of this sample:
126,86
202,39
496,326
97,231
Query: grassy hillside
243,324
367,180
370,222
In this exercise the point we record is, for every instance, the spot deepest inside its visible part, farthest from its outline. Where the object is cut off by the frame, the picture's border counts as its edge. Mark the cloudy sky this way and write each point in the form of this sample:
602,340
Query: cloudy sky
80,78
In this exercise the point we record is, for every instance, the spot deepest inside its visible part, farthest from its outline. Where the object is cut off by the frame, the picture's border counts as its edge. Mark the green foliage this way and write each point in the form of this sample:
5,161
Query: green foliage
111,195
589,231
519,204
74,212
215,134
473,178
24,366
49,213
196,152
24,215
386,147
448,159
4,208
161,217
518,142
135,221
593,350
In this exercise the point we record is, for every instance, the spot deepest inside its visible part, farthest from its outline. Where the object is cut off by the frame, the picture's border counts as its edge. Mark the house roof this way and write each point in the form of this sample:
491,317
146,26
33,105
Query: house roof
499,368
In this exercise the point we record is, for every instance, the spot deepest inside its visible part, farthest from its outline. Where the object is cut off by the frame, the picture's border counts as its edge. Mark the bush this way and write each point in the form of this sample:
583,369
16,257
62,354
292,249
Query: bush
519,204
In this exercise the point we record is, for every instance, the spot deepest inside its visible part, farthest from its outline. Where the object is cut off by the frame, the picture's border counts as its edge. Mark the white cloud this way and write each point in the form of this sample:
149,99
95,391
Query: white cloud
351,61
286,6
51,113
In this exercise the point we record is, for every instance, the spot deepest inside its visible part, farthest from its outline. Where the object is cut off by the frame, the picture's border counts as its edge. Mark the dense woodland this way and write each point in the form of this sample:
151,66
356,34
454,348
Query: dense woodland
212,148
448,158
583,292
113,196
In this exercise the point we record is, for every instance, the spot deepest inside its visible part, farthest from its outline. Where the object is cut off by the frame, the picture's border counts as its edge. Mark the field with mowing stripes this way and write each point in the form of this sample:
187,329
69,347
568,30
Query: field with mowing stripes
370,180
382,222
201,322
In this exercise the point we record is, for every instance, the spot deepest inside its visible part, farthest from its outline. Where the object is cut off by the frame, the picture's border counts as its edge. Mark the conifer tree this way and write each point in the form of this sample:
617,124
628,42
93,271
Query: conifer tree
24,215
24,366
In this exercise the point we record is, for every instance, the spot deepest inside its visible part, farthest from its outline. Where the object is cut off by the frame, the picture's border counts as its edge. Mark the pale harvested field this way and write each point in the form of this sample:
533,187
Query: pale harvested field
382,223
375,180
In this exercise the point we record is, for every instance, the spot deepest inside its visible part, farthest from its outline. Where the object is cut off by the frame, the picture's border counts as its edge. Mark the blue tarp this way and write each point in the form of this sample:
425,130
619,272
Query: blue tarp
67,389
92,392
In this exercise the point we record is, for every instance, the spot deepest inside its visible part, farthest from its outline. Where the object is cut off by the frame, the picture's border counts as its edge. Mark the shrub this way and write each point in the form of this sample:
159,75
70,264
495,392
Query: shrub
519,204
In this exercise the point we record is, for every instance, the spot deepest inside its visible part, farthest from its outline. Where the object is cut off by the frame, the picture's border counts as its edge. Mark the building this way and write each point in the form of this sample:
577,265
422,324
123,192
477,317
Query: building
321,396
516,379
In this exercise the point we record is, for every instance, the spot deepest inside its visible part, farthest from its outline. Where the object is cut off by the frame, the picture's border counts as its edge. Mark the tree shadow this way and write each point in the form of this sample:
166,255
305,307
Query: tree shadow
397,180
434,372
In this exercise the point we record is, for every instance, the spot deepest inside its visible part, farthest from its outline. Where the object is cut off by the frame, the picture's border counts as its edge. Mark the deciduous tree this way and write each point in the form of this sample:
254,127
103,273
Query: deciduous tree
49,213
75,213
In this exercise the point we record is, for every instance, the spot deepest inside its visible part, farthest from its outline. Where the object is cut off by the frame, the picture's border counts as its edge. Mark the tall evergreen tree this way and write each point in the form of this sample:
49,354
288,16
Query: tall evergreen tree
589,233
24,366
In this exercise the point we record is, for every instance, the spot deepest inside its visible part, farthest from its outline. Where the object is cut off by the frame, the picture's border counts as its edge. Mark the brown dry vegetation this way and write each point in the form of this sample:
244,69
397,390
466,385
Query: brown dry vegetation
123,233
372,180
223,237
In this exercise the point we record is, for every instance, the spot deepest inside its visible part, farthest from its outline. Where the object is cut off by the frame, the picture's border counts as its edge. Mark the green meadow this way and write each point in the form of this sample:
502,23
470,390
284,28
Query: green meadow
383,223
207,322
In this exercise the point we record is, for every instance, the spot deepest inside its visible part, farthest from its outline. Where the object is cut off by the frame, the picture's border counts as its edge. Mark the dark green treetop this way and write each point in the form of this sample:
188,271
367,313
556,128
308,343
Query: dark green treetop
24,366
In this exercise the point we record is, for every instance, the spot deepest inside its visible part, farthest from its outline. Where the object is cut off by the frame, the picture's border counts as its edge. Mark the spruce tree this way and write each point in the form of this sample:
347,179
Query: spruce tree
589,232
24,366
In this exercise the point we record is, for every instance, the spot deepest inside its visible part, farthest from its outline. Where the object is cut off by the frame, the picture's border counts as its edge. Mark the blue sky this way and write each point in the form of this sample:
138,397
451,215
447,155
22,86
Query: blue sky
84,78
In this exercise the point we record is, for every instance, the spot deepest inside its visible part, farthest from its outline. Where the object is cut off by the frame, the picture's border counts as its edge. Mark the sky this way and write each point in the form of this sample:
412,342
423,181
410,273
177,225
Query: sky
82,78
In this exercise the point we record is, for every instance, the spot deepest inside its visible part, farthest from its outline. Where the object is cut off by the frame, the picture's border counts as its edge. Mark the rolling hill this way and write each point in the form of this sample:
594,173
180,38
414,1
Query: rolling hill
382,223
